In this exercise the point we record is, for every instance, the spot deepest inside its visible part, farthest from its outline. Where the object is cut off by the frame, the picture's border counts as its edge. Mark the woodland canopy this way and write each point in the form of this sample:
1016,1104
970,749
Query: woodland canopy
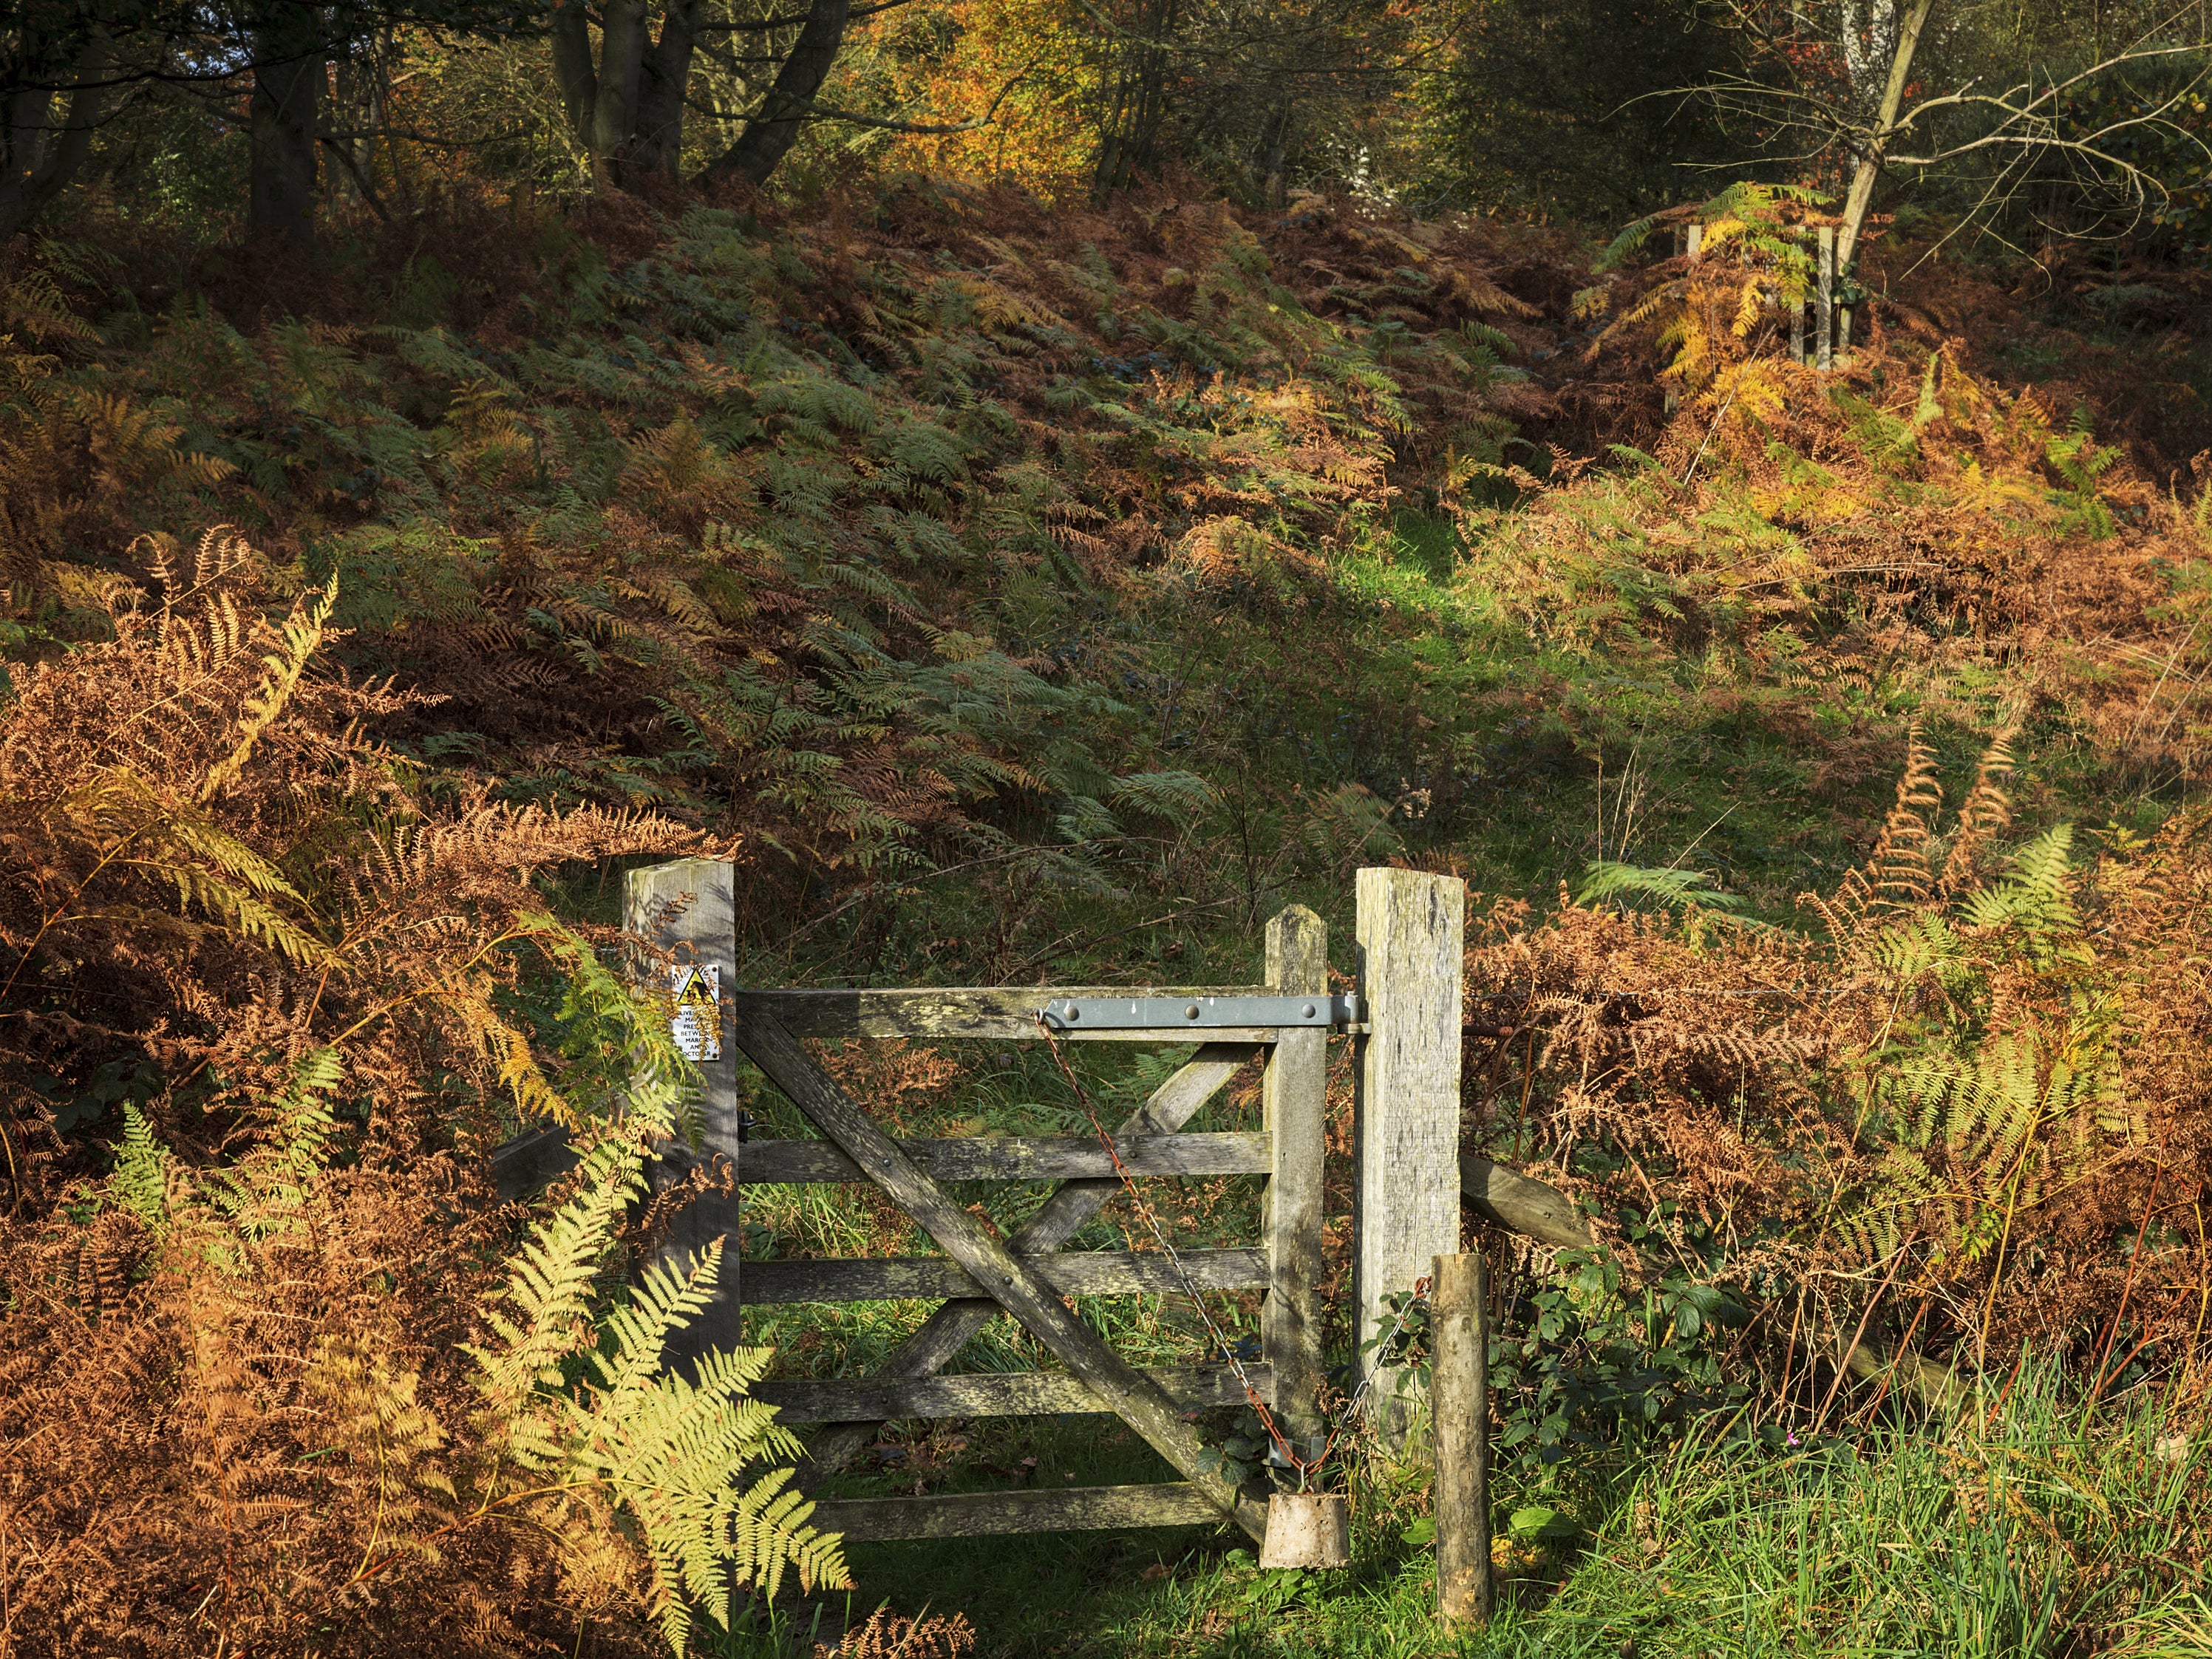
197,115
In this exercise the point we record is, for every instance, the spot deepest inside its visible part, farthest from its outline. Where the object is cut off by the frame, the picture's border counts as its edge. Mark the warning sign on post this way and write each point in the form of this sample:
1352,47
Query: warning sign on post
697,1023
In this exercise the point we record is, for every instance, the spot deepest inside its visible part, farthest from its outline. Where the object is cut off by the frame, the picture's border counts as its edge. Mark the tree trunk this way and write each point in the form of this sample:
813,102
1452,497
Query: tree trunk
775,125
1271,166
42,157
1129,138
286,97
614,111
573,74
1869,167
658,146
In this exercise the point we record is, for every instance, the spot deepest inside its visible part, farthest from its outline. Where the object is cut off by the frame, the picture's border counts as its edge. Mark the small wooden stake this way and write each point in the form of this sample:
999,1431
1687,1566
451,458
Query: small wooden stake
1827,326
1687,240
1459,1370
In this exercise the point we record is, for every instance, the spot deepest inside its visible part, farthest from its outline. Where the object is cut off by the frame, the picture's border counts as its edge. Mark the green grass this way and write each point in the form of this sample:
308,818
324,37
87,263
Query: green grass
2044,1531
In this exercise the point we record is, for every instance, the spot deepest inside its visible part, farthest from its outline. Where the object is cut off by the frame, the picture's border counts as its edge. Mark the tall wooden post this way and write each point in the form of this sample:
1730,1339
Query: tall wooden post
1797,331
1828,323
1294,1094
1410,931
1459,1369
689,907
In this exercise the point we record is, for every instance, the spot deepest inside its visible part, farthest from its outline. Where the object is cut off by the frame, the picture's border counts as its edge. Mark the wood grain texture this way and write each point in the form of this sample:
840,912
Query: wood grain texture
990,1513
945,1332
1521,1206
937,1278
1410,931
996,1393
998,1011
1019,1157
1459,1365
1294,1099
1014,1281
520,1167
689,906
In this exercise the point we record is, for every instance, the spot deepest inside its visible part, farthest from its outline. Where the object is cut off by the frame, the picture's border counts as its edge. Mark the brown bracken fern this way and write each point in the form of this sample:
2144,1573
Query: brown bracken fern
276,1368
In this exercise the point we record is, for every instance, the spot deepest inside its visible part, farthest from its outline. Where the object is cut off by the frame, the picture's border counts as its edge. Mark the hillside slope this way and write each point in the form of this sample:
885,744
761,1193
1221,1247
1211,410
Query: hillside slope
1022,592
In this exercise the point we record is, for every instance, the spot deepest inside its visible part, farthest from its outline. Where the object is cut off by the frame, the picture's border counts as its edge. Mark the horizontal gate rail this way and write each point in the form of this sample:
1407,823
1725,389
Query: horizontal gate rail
1016,1158
994,1393
1153,1015
1000,1013
1074,1273
980,1514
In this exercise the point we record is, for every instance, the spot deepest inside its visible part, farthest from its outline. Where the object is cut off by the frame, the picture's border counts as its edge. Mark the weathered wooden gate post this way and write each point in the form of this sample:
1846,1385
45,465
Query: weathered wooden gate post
689,906
1294,1096
1410,930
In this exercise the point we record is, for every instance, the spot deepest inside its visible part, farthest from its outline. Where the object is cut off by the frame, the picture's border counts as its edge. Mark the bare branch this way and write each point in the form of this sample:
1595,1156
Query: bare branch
811,110
796,19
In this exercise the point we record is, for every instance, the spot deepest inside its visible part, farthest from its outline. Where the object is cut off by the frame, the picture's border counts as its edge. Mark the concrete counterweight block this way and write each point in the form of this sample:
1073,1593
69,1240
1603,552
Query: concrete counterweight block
1307,1530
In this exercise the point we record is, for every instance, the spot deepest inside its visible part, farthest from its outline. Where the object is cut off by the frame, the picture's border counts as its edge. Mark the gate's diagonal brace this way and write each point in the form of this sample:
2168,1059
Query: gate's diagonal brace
1013,1283
934,1342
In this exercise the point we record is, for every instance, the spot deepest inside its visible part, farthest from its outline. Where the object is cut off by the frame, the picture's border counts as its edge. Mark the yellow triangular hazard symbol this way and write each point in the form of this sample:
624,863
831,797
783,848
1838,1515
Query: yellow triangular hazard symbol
695,991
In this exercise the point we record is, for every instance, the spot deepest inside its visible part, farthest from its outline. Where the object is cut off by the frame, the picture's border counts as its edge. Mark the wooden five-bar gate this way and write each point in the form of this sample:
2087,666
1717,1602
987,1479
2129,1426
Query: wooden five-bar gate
1406,1018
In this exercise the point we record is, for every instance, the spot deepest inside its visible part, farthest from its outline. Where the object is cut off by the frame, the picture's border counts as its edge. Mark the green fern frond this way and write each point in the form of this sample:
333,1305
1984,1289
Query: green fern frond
2037,899
1929,409
1921,944
1604,880
666,1447
551,1289
140,1180
304,1118
1181,798
1631,237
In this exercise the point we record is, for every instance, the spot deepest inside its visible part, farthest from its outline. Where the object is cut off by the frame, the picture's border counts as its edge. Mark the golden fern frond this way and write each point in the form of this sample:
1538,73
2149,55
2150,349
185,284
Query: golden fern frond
1897,870
1985,811
303,636
550,1287
1482,295
1749,303
142,829
374,1416
666,1446
469,999
663,1446
1721,232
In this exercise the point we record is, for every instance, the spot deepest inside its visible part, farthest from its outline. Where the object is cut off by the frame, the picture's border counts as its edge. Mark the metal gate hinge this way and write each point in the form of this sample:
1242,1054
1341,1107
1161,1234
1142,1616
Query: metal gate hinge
1196,1013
